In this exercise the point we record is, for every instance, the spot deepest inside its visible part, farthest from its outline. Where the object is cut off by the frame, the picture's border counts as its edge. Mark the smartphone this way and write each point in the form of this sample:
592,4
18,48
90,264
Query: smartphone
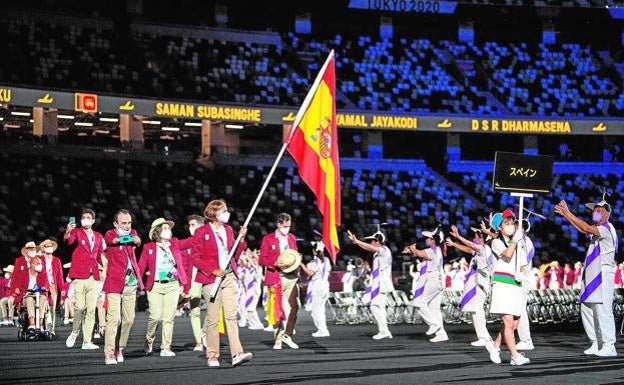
72,219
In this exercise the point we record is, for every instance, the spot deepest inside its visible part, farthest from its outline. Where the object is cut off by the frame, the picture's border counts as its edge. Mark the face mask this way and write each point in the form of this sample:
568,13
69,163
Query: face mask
596,217
86,223
475,240
165,234
7,275
48,250
224,217
121,231
31,253
192,230
509,230
38,268
284,230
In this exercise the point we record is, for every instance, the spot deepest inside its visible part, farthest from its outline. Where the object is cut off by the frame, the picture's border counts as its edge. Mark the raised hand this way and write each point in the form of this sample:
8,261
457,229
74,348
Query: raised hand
352,237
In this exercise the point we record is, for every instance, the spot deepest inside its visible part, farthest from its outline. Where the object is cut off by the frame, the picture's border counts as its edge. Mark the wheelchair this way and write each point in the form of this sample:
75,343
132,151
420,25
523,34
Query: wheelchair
40,332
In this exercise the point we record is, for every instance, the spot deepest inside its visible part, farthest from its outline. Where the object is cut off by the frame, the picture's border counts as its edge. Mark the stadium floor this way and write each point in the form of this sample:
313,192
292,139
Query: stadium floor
349,356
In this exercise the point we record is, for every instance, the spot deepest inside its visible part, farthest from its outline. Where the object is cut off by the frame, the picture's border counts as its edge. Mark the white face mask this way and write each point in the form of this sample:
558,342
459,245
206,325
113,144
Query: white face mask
509,230
38,268
31,253
224,217
48,250
121,231
284,230
192,230
7,275
86,223
165,234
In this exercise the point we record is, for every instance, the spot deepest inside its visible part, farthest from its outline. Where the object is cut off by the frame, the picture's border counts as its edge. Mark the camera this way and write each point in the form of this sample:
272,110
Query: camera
126,239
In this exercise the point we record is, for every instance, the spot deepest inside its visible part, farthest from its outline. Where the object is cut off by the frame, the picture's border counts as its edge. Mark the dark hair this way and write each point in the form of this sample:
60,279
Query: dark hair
121,211
87,211
282,217
195,217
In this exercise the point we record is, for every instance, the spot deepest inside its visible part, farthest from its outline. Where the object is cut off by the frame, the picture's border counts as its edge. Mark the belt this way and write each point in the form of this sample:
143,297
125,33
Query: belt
166,281
505,278
229,270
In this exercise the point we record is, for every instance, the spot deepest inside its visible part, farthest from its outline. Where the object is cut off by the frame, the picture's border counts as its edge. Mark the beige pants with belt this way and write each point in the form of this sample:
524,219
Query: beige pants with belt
163,302
84,308
6,305
31,303
120,308
226,297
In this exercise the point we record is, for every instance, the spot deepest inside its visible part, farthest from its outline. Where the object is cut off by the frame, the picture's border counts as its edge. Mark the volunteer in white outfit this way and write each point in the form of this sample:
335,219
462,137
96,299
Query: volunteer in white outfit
526,251
598,277
348,278
253,288
428,294
381,280
507,295
477,285
318,289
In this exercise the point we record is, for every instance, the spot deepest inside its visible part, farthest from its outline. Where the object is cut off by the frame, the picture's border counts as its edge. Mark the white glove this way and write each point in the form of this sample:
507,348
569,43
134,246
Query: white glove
518,277
518,235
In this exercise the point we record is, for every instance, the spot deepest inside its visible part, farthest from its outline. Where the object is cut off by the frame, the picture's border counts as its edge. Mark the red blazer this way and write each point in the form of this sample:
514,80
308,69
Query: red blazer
205,252
186,251
84,262
20,280
57,272
117,256
148,263
5,287
269,251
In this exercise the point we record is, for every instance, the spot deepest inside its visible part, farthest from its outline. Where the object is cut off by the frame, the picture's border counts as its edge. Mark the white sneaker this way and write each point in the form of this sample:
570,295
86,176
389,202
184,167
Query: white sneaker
241,358
494,352
382,335
432,330
96,335
478,343
320,333
65,321
255,327
285,338
523,345
277,346
213,363
269,329
242,324
607,351
198,348
441,337
71,340
593,349
167,353
111,361
518,360
89,346
120,357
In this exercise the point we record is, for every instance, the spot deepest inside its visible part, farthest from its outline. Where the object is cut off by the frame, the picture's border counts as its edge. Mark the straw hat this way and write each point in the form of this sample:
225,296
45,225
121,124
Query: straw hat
157,223
28,245
8,269
291,259
48,242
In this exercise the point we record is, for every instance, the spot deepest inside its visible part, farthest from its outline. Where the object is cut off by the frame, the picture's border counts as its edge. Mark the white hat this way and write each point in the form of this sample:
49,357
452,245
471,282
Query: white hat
602,203
378,236
435,234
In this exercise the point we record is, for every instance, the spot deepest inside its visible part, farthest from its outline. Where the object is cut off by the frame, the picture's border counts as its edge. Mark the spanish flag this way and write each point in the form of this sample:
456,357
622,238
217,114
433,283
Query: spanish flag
313,144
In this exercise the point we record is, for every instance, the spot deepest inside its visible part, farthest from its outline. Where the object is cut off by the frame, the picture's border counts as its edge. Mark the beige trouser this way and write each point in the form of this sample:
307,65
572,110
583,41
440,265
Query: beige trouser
54,295
163,302
120,307
30,303
290,302
195,313
6,305
84,308
226,297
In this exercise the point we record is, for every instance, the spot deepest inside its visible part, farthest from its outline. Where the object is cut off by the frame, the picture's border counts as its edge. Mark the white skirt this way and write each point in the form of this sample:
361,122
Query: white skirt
506,299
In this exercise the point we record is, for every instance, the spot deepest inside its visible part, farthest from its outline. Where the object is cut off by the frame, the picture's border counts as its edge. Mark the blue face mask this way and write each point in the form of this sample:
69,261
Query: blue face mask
596,217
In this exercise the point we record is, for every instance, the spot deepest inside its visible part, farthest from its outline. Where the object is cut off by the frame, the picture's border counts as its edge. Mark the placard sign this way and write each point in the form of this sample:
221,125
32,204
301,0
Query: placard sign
522,173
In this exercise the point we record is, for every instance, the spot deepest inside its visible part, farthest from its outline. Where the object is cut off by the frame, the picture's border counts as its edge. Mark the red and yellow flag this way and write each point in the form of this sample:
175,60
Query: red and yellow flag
314,146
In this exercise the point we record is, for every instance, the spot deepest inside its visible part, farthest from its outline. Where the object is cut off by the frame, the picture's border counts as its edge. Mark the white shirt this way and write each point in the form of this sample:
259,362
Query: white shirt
607,244
498,246
385,269
221,238
32,281
48,263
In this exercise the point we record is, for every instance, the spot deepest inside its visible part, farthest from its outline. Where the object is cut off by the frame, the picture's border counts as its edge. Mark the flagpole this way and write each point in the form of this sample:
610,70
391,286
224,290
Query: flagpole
302,109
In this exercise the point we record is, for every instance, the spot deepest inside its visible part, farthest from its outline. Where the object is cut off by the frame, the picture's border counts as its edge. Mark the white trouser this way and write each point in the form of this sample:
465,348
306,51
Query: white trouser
524,325
378,308
429,305
598,318
319,297
478,317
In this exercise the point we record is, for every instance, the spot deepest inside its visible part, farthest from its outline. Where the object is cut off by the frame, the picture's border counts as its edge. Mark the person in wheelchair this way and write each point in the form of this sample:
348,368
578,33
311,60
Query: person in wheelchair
28,282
